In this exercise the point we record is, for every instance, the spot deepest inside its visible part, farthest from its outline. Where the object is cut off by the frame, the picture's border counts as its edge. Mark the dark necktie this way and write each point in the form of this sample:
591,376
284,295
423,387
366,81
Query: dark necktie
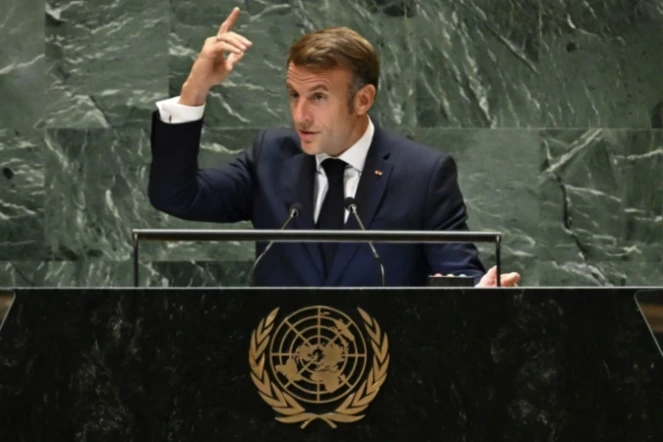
332,212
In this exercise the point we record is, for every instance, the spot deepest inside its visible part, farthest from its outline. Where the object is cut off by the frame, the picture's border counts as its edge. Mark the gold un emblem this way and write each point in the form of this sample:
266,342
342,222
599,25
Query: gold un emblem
318,356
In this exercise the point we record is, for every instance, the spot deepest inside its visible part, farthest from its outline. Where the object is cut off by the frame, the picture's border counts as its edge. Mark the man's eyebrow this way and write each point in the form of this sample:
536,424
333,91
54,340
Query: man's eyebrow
319,87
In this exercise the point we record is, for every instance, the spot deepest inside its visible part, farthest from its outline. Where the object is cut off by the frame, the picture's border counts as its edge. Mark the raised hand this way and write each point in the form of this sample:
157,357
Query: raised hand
212,66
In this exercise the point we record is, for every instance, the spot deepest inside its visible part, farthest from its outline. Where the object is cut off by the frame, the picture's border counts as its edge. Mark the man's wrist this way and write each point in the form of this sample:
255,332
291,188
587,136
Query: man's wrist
192,95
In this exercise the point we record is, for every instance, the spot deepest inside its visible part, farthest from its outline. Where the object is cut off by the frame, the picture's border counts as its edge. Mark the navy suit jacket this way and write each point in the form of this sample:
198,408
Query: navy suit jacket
416,190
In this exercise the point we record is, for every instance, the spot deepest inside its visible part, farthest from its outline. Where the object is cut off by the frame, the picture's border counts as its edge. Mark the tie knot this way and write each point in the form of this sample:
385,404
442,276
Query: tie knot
334,169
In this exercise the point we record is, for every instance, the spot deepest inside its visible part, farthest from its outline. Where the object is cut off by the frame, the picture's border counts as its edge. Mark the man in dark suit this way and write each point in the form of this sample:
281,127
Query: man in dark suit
335,151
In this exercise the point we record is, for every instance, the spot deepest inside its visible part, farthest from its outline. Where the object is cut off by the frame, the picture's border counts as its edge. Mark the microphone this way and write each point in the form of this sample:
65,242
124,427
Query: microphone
351,206
294,211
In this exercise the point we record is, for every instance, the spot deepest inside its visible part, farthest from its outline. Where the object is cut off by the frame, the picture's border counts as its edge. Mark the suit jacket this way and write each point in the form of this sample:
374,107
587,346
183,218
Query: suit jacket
417,190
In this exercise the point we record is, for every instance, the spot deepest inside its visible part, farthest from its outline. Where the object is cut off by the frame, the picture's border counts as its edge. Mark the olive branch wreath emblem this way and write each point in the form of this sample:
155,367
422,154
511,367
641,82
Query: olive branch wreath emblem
350,410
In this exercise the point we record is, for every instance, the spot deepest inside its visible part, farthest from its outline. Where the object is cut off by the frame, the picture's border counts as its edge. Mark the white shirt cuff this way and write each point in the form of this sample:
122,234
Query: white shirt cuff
171,112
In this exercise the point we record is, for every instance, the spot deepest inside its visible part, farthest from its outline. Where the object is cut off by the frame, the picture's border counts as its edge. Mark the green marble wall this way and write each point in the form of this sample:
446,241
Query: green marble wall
551,107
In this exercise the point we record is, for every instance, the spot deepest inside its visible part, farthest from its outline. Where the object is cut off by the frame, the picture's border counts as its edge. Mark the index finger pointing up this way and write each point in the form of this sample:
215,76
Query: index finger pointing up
230,21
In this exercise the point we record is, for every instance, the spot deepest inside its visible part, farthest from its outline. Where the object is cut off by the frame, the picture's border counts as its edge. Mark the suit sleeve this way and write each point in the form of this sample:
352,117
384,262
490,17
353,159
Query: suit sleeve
445,210
178,187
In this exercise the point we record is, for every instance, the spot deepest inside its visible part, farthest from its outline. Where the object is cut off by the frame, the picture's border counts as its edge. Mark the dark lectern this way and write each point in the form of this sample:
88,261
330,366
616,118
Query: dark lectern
329,365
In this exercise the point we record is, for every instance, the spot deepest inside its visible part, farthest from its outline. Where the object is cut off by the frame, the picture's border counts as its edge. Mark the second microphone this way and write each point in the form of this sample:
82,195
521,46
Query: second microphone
351,206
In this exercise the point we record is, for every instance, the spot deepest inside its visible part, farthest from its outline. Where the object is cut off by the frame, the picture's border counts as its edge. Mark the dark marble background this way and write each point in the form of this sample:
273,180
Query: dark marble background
552,108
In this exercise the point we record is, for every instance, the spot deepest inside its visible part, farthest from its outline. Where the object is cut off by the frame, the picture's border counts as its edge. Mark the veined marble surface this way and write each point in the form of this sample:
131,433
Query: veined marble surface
552,110
106,62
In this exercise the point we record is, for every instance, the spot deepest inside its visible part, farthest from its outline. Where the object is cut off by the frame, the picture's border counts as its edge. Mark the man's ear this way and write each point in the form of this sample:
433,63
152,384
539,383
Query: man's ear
364,98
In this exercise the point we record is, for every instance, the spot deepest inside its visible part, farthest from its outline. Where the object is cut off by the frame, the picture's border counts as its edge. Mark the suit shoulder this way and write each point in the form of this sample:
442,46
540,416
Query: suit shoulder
279,141
421,154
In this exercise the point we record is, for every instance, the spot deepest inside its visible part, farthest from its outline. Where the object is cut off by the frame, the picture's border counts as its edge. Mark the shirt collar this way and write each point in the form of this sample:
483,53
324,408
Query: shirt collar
355,156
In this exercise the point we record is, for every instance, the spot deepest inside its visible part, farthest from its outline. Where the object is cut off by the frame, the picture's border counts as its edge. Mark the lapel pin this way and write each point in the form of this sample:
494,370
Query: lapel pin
378,172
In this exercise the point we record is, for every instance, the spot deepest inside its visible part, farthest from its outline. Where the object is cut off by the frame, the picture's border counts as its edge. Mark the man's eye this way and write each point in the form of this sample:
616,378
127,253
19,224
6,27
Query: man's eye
319,96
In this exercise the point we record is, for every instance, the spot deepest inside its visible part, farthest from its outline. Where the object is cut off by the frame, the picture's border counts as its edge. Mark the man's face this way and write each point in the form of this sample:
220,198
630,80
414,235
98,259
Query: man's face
320,108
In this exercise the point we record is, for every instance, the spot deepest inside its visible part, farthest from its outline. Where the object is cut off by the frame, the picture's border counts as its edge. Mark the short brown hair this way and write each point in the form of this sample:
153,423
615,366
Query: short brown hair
338,47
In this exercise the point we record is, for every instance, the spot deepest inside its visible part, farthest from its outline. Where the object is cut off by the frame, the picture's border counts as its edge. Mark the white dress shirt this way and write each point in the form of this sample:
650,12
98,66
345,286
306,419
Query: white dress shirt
355,156
170,111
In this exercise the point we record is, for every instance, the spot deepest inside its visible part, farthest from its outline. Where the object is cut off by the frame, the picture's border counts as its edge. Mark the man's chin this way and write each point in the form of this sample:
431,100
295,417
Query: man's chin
310,148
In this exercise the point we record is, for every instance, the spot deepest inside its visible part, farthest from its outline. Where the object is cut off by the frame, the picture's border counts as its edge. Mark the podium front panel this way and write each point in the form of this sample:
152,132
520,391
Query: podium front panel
329,364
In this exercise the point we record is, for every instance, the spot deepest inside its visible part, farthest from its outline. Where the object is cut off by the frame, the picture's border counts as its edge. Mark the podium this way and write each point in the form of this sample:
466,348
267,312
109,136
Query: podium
428,364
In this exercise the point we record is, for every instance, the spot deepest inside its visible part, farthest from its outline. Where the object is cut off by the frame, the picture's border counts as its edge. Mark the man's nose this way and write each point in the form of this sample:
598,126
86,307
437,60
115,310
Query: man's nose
300,112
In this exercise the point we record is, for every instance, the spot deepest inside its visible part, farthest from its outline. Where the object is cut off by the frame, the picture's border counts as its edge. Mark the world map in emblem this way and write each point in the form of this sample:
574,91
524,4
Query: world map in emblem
318,354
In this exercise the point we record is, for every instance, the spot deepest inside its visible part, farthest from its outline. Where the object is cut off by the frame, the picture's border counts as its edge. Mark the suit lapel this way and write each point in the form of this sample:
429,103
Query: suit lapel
372,185
299,176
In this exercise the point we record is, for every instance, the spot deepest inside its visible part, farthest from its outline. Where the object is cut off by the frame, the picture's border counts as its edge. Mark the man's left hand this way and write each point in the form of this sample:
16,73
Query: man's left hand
507,279
490,279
